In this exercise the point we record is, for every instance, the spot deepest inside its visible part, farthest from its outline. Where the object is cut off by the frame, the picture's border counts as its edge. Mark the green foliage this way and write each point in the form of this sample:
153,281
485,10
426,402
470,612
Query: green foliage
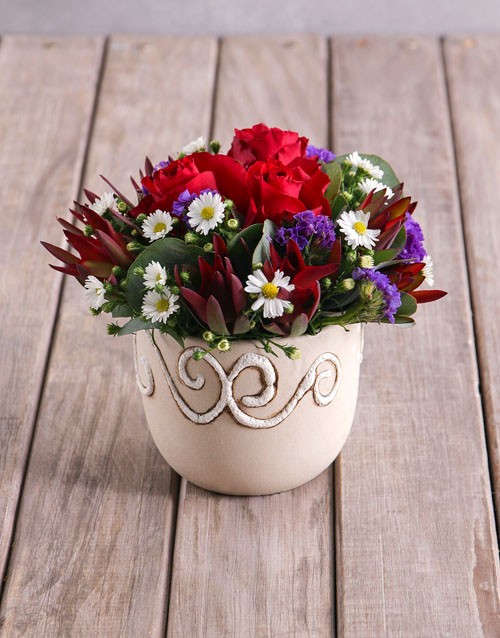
400,320
168,252
338,206
241,249
263,249
334,172
134,325
408,305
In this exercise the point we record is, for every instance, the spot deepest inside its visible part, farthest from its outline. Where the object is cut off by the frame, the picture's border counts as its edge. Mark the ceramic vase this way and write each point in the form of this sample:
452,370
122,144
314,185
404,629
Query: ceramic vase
247,422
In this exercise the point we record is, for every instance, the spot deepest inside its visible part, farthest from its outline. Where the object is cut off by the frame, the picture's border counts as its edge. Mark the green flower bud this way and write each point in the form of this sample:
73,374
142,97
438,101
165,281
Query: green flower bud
294,353
289,309
229,204
352,256
123,284
174,220
175,290
198,355
347,196
134,247
139,272
258,265
113,329
326,283
134,232
96,311
224,345
108,306
367,289
122,207
88,230
159,287
208,247
190,238
141,218
117,271
185,276
107,287
208,336
181,156
215,146
252,325
348,284
366,261
232,224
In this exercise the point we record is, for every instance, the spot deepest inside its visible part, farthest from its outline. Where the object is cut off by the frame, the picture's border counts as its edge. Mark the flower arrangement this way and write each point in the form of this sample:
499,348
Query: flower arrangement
276,238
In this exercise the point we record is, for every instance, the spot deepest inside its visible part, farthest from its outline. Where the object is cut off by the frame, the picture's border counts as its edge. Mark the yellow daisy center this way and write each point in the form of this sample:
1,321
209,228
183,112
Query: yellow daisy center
207,212
162,305
159,227
158,277
270,291
360,228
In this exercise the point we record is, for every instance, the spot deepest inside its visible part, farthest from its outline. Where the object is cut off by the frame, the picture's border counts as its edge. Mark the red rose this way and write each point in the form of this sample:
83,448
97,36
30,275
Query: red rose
195,173
263,143
278,191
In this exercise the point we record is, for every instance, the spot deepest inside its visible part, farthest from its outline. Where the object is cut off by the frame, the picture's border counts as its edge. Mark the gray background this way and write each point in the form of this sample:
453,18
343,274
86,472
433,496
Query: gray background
218,17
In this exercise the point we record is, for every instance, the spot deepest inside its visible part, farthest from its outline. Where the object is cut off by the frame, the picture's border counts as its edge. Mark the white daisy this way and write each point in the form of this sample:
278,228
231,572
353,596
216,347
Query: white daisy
157,225
159,307
361,162
94,292
368,184
428,270
257,283
154,274
196,145
206,212
354,225
100,206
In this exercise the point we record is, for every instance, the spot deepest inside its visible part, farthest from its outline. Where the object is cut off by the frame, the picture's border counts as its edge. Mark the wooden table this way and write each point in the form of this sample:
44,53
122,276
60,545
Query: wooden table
99,538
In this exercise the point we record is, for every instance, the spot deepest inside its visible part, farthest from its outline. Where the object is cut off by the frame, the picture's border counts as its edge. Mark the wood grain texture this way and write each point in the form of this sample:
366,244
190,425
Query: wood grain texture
417,549
93,538
47,88
259,566
474,88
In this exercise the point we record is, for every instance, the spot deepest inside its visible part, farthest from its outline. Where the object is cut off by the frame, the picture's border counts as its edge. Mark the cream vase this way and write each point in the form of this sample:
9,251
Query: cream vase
246,422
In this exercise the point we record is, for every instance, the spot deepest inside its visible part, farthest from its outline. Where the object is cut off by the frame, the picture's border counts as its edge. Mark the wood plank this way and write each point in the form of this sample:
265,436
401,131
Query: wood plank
259,566
47,88
94,534
415,535
474,89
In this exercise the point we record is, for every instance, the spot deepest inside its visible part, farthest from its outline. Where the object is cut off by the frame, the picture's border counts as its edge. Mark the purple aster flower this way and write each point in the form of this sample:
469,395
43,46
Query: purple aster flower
392,296
308,226
323,154
414,237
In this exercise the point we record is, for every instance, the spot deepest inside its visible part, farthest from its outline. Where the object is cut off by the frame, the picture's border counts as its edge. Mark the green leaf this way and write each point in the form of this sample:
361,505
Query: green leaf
338,206
400,320
385,256
123,310
389,178
240,258
168,252
334,172
408,305
299,325
400,240
134,325
263,248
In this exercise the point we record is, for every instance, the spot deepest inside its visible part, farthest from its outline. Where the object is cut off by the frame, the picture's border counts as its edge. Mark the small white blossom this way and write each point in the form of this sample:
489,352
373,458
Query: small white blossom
354,225
257,283
157,225
159,306
101,205
368,184
196,145
154,274
206,212
428,270
361,162
94,292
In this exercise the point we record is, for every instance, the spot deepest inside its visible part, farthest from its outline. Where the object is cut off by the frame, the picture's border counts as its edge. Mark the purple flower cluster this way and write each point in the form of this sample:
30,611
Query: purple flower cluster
391,294
323,154
183,201
308,226
414,237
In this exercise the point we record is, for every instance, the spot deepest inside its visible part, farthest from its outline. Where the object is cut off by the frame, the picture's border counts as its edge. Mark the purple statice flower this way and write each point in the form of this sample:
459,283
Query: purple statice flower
182,202
308,226
392,296
323,154
414,248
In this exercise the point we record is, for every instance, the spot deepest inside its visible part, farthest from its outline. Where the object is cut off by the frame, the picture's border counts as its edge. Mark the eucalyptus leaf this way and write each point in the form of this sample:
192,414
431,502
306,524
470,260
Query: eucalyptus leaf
385,256
263,248
408,305
123,310
134,325
389,178
168,252
334,172
400,320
